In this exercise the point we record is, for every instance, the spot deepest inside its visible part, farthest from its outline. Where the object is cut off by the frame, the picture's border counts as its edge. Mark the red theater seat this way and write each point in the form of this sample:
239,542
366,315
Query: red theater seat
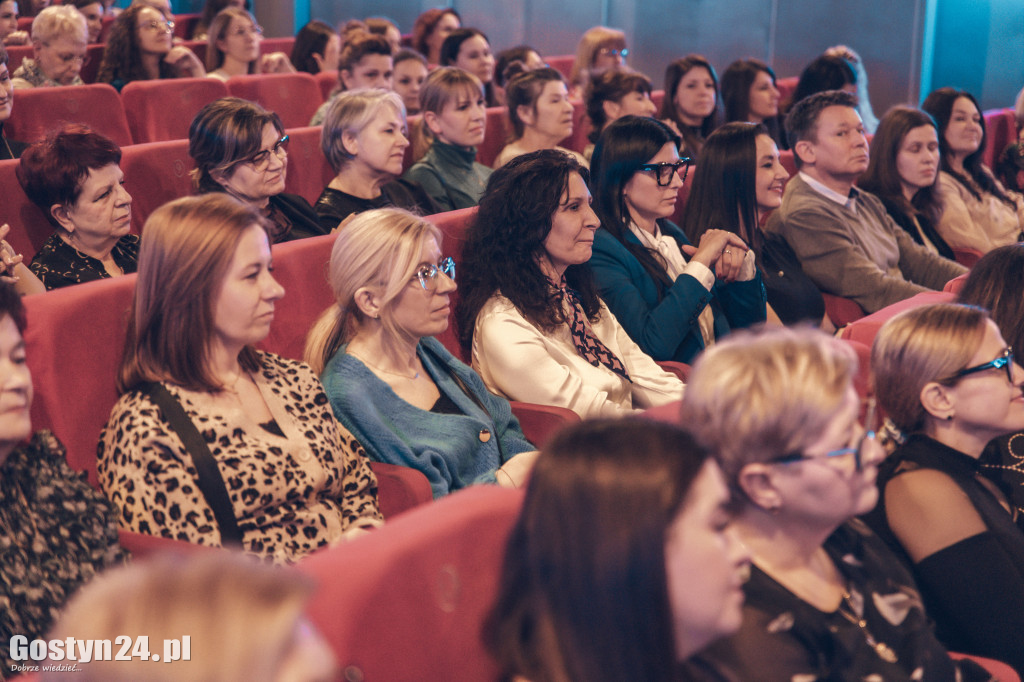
39,110
308,170
841,311
29,226
295,97
327,81
496,131
865,328
155,173
1000,130
562,63
285,44
159,110
185,25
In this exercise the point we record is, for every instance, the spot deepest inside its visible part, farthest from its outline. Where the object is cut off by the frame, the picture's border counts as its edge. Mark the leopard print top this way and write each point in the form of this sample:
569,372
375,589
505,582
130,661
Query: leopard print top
291,495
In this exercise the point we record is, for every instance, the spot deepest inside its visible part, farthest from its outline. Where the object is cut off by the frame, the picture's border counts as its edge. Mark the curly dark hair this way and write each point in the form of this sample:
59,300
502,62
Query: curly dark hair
504,242
121,59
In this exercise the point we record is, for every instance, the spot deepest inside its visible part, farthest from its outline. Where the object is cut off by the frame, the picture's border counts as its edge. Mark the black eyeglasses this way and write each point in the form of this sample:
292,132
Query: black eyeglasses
427,274
1003,362
858,451
663,171
260,160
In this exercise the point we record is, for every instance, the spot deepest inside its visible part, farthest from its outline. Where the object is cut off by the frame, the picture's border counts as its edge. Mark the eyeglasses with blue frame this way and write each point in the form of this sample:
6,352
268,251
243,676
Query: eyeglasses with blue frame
427,274
858,451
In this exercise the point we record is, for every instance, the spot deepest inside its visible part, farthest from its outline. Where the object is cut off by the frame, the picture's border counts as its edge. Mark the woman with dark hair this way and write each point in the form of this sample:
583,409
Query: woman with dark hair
410,72
211,9
74,178
469,49
57,531
139,47
528,56
642,511
241,148
317,48
949,383
749,94
256,426
825,73
691,100
9,33
826,599
431,29
387,30
529,314
613,94
977,211
902,171
671,298
737,182
365,63
540,113
233,47
9,149
93,12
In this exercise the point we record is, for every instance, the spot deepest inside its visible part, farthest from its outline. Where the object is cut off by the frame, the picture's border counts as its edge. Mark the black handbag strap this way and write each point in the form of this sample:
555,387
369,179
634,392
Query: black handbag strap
210,482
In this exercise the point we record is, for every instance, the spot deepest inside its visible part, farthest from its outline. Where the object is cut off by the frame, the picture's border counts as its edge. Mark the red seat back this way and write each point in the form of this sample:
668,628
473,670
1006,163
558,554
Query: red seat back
408,601
786,87
841,311
865,328
155,173
163,109
327,81
29,226
562,63
15,55
788,162
581,127
294,96
39,110
496,132
285,44
308,170
954,285
185,25
1000,130
683,197
91,68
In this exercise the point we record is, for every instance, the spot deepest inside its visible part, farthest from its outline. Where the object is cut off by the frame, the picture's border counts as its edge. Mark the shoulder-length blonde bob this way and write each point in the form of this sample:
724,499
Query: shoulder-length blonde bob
379,249
919,346
219,31
767,392
188,247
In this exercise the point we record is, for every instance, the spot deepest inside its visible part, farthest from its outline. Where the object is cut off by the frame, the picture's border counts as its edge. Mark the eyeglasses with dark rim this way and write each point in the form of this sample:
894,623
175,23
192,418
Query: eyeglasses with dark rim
1003,362
614,52
858,451
663,171
158,26
427,274
260,160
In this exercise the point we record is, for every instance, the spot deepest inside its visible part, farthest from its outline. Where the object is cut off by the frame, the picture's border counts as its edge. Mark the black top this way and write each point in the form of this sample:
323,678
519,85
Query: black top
907,223
10,149
293,218
785,638
333,206
973,589
791,293
58,264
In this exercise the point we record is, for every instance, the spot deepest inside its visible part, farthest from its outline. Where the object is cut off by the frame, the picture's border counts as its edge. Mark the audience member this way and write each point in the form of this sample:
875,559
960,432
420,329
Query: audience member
469,49
9,33
211,9
364,138
431,29
540,113
399,391
530,58
57,531
902,172
139,47
284,478
949,383
1010,167
529,314
233,47
244,621
826,599
74,178
826,72
365,62
454,114
672,299
641,511
317,48
846,242
691,101
242,149
613,94
867,114
738,181
9,149
749,94
387,30
59,37
977,211
93,12
410,73
600,48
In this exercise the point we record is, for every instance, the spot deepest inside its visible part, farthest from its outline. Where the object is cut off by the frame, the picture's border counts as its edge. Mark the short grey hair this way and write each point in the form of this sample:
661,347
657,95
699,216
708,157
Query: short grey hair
60,21
351,111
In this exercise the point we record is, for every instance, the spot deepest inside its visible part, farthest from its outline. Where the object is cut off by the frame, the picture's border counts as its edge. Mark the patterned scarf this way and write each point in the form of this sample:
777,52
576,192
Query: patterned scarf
587,345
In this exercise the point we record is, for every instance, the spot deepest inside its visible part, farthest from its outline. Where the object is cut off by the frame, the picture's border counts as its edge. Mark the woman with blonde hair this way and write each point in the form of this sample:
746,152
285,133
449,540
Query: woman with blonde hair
600,48
364,138
273,471
455,116
825,599
243,622
233,47
406,398
950,385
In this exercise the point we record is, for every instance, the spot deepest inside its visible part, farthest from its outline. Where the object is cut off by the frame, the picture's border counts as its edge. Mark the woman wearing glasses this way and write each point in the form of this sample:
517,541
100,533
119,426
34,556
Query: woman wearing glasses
674,299
826,599
600,48
59,37
406,398
233,47
140,47
241,148
949,383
